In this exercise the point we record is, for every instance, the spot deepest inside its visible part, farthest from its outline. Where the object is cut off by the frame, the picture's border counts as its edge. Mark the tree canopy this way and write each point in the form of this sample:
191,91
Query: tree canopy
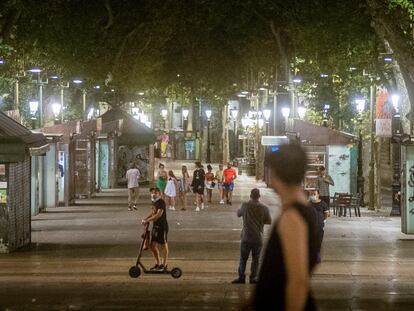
210,49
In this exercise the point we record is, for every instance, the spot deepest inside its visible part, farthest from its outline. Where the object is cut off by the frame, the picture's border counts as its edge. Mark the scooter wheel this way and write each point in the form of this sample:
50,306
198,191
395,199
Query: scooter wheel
176,273
134,272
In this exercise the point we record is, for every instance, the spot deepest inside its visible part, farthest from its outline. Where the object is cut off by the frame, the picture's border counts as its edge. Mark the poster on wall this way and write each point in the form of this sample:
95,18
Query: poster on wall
3,196
384,108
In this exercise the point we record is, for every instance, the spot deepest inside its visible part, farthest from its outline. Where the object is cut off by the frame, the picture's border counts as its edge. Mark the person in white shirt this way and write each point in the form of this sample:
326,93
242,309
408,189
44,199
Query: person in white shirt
132,176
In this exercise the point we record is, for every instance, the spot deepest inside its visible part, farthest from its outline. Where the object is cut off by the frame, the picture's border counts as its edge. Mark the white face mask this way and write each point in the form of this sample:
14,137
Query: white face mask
153,197
313,198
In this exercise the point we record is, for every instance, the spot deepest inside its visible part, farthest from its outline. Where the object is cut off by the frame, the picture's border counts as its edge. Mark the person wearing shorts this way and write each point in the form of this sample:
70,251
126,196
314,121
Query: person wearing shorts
159,231
162,179
198,184
219,179
229,175
210,184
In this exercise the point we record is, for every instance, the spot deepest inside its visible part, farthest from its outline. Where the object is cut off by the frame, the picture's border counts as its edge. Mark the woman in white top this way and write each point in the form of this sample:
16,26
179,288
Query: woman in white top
171,190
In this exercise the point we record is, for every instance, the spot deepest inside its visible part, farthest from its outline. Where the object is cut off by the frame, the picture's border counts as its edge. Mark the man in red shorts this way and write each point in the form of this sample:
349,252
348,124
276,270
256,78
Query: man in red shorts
229,175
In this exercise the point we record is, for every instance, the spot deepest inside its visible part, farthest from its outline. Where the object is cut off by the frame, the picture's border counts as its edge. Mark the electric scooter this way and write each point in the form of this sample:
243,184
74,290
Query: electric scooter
135,271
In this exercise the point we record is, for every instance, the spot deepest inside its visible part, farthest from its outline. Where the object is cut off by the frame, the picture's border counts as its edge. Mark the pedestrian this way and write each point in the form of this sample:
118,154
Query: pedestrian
162,178
164,139
132,176
184,187
198,184
323,183
210,184
159,230
219,179
322,211
291,252
255,216
229,176
171,190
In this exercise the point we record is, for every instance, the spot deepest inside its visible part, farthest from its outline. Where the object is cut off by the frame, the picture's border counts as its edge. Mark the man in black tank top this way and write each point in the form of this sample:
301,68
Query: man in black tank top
291,252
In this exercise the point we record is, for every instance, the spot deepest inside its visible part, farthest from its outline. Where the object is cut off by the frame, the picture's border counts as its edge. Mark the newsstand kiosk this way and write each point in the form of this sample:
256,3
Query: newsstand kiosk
407,189
271,145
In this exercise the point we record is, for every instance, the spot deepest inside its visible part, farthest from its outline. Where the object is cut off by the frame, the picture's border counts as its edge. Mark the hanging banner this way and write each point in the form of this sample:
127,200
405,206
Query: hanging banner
383,121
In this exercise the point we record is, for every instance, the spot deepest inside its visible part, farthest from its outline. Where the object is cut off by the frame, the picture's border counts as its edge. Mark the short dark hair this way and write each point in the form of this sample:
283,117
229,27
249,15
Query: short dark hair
198,164
209,167
155,189
255,194
288,164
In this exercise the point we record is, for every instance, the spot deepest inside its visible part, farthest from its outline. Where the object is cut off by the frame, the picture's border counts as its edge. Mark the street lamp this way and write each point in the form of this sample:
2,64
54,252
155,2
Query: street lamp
208,114
360,106
326,108
79,82
396,155
185,113
396,102
266,114
164,114
302,111
234,113
56,108
285,114
40,83
33,107
135,112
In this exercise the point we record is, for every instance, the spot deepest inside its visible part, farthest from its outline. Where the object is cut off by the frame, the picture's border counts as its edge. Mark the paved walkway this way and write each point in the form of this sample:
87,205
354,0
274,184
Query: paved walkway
81,255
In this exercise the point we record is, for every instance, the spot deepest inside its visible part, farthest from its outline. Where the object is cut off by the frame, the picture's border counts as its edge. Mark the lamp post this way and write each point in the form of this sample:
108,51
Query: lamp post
208,114
234,114
135,113
266,114
360,105
286,114
185,113
40,83
396,154
302,111
79,82
57,109
164,114
33,106
372,159
296,80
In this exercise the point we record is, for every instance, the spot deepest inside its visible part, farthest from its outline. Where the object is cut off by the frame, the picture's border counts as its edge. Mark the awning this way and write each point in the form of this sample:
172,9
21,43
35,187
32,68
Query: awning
16,140
130,131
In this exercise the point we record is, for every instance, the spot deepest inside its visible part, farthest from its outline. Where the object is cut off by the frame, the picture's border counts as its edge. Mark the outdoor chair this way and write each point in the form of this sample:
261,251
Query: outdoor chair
334,204
355,204
344,202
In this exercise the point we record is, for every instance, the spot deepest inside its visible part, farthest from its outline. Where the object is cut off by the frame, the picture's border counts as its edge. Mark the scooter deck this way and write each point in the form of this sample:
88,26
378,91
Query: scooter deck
157,272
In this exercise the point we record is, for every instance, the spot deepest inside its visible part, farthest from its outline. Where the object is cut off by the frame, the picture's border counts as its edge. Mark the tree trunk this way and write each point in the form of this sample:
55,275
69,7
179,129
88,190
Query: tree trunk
388,28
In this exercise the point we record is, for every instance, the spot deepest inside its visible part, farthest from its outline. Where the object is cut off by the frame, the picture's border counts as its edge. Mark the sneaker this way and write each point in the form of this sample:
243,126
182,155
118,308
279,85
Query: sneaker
202,205
230,203
161,267
239,281
253,281
134,207
172,208
222,202
155,268
183,209
129,209
197,209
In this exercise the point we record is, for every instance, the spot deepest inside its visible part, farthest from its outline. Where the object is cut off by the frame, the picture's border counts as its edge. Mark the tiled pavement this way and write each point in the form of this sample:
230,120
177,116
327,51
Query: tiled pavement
81,255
